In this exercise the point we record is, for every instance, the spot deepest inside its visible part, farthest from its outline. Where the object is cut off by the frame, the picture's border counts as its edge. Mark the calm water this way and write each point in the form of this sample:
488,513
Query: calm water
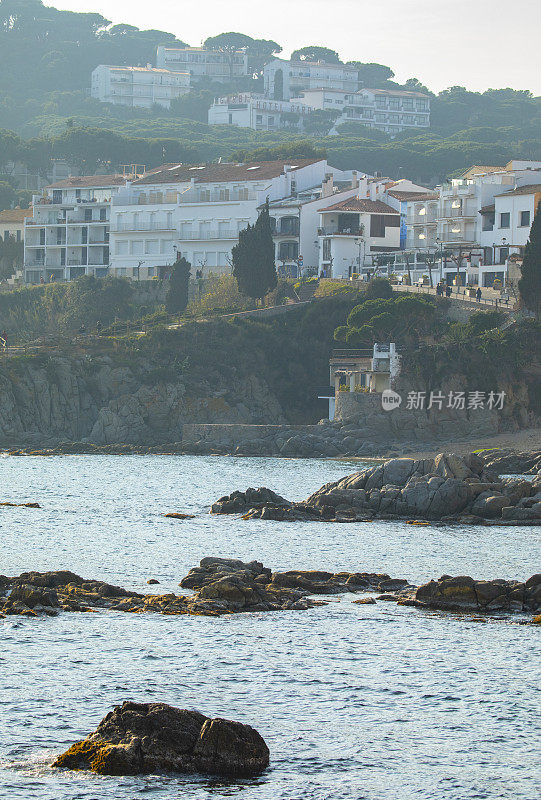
356,702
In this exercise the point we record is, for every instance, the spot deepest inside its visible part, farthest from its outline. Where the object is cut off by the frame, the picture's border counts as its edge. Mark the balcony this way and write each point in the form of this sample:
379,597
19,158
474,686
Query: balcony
207,235
339,231
129,227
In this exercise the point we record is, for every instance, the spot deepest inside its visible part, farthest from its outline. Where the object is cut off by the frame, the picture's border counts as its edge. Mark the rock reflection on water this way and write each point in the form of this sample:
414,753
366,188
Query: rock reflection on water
355,701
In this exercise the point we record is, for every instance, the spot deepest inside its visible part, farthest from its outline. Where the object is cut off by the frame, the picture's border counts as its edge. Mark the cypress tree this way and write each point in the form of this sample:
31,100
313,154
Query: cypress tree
253,258
176,299
529,284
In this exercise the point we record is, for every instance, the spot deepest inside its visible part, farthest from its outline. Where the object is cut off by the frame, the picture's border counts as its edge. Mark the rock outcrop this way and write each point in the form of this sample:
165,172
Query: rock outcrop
224,577
448,487
229,586
467,594
108,400
138,738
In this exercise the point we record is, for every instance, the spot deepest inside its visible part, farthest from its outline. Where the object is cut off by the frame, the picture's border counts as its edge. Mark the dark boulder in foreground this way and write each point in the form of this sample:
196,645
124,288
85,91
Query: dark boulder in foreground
448,487
138,738
467,594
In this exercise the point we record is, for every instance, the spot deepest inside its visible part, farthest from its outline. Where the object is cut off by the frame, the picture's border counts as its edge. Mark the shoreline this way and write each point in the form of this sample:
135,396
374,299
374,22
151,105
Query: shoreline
524,440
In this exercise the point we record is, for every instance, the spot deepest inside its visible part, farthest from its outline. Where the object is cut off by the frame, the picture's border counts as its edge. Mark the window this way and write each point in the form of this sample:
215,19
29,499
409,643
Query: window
121,248
288,251
524,219
289,226
88,215
326,249
377,226
18,236
103,214
57,196
505,219
151,246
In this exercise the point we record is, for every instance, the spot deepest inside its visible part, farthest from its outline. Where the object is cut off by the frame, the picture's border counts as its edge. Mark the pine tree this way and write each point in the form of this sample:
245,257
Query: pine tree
529,284
176,299
253,258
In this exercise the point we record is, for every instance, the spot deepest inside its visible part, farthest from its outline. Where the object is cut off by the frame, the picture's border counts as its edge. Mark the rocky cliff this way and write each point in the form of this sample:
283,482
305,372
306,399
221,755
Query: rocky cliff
107,400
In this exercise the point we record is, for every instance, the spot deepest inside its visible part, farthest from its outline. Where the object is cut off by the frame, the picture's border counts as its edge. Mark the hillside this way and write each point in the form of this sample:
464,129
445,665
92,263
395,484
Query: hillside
46,57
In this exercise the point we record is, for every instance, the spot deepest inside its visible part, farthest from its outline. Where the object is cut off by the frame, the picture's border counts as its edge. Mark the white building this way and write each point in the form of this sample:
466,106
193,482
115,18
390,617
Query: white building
505,229
12,223
198,211
387,110
295,221
138,86
257,112
353,233
68,233
199,63
283,79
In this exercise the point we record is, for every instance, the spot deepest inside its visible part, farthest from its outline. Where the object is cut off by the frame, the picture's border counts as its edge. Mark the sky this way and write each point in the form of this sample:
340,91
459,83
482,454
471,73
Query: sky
479,44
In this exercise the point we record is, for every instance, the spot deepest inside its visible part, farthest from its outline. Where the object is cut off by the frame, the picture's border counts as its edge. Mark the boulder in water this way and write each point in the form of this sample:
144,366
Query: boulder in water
138,738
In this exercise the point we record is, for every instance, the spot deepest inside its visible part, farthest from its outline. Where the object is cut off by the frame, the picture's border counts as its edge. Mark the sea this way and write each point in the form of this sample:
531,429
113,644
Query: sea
356,702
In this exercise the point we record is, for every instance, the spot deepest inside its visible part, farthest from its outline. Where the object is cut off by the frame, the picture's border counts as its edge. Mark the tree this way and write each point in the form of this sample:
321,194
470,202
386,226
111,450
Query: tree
7,195
176,299
253,258
529,285
316,53
259,52
415,85
229,44
374,76
11,256
320,121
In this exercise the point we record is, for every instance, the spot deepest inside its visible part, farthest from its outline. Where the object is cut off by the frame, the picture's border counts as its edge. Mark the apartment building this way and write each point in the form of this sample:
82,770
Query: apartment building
295,221
505,229
197,211
353,233
199,63
283,80
387,110
68,233
138,86
257,112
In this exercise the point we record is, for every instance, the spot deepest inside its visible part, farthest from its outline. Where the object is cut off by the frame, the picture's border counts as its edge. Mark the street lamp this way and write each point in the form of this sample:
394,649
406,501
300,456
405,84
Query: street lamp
360,242
439,244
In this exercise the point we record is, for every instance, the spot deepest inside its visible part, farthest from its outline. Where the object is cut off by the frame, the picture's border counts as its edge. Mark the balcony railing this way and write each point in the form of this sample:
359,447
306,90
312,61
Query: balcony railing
122,227
338,231
208,234
189,196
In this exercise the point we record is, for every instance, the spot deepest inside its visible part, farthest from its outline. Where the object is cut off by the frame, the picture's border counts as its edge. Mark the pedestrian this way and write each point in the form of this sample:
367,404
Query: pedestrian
448,290
478,294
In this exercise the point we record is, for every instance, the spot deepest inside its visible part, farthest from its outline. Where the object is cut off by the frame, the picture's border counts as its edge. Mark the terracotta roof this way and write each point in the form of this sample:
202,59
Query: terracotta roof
487,209
88,181
15,214
360,204
532,188
478,169
207,173
401,195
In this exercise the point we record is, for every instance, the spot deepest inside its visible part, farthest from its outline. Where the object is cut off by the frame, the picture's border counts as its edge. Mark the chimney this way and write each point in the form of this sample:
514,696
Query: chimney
327,185
354,179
